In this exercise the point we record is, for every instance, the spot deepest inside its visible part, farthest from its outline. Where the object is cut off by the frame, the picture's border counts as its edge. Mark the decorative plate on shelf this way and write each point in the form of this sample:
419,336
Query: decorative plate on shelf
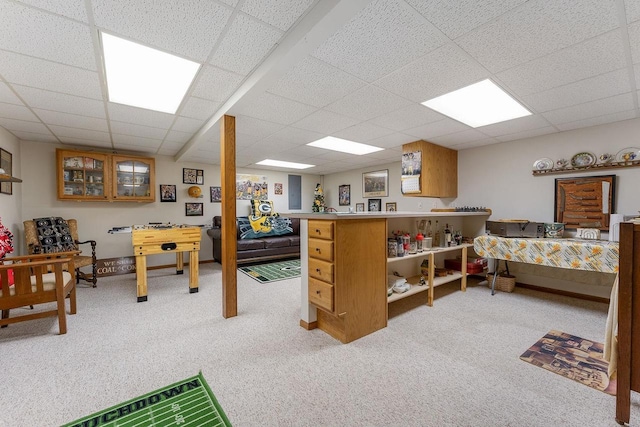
543,164
628,155
583,160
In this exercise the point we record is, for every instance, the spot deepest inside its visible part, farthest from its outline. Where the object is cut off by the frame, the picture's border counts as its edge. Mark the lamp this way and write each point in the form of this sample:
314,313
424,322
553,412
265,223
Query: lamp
5,177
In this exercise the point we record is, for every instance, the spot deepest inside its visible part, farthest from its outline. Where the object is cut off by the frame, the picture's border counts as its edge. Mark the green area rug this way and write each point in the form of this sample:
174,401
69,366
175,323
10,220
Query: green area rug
186,403
265,273
572,357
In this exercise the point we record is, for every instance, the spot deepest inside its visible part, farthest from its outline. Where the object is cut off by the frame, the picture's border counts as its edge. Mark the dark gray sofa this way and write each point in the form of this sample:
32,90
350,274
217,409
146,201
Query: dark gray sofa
258,249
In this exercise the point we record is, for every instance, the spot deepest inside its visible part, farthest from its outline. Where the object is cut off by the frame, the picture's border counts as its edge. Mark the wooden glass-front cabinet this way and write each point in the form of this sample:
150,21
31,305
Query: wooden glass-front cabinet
133,178
93,176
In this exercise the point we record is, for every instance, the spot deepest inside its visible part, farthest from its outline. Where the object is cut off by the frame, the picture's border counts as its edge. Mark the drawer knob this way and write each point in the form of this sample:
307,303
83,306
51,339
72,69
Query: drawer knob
318,292
317,249
317,231
317,270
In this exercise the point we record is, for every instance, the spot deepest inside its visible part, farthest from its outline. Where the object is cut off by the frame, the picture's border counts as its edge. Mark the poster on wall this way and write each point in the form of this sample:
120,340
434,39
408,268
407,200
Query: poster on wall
250,186
411,169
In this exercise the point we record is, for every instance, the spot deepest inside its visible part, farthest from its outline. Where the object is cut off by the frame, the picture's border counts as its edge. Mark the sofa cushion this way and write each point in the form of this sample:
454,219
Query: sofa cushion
276,242
250,244
294,239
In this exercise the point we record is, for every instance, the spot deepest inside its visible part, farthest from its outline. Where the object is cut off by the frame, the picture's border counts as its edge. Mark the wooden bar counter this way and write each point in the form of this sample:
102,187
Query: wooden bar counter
178,239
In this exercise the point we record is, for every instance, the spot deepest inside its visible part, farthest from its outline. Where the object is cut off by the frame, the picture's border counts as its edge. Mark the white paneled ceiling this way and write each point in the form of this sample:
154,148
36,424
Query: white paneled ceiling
293,71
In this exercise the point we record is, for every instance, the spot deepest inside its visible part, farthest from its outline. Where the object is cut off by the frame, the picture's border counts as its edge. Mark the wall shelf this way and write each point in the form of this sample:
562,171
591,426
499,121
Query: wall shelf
594,168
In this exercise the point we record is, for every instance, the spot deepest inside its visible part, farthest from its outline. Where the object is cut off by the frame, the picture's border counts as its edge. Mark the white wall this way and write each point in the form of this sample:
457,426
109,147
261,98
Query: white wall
11,205
96,218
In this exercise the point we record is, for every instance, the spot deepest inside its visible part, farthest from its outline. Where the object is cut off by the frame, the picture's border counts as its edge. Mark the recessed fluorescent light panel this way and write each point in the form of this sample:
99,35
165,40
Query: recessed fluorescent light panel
281,164
344,145
480,104
144,77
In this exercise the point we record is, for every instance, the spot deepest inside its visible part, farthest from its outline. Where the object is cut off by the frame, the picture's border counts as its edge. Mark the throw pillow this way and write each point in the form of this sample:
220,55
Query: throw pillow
262,208
54,235
254,228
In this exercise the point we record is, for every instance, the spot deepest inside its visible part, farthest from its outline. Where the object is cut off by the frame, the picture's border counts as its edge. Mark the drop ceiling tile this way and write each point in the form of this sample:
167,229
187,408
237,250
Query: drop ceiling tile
38,73
634,39
56,38
135,141
600,120
515,125
463,137
178,137
474,144
537,28
599,55
244,140
20,112
199,108
367,103
39,98
169,148
632,9
276,109
256,127
72,120
7,96
136,148
185,124
385,35
363,132
189,28
23,126
406,118
526,134
281,14
602,86
85,142
459,17
35,137
232,3
443,70
245,45
293,136
74,9
589,110
137,130
390,141
324,121
139,116
216,84
63,132
316,83
432,130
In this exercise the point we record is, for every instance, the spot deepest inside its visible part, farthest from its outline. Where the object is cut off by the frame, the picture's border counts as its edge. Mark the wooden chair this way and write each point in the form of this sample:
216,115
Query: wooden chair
38,279
33,245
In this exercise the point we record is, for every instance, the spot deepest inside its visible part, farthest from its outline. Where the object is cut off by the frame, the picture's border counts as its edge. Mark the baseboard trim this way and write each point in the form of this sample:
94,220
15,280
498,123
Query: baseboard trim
308,326
563,293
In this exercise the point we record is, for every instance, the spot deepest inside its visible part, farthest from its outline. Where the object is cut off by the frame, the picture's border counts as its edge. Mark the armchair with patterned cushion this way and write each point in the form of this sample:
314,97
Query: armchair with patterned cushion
54,234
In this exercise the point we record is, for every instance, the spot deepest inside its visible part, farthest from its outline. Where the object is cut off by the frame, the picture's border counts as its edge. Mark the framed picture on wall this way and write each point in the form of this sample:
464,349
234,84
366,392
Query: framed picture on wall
375,184
193,209
167,193
344,195
6,163
216,194
374,205
192,176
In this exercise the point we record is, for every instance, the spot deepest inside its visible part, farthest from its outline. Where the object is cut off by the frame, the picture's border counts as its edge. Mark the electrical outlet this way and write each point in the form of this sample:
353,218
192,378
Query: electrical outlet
435,204
420,205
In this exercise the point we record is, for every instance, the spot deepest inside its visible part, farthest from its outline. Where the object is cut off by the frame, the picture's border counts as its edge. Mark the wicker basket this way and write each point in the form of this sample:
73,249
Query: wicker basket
504,282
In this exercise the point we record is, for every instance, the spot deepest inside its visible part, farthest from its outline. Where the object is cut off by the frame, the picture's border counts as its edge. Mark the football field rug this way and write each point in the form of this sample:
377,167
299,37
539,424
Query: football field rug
187,403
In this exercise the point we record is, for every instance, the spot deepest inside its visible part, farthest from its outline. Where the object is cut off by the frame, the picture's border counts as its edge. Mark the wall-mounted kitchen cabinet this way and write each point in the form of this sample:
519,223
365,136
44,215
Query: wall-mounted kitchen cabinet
89,176
429,170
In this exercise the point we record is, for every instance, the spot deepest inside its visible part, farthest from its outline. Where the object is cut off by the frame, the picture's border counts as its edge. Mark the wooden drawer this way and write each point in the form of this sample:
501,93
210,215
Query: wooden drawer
321,249
321,270
321,229
321,294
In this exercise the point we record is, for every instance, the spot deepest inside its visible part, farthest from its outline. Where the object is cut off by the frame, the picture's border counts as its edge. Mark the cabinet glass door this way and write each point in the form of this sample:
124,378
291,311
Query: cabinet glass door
133,179
83,177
